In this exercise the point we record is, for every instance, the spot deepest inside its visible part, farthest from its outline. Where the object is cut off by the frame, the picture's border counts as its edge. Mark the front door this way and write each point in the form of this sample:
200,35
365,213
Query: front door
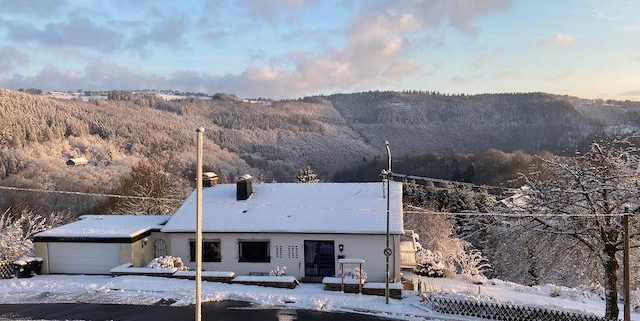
319,259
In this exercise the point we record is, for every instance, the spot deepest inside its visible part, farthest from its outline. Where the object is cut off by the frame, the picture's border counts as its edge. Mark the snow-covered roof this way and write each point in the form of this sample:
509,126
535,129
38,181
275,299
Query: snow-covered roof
335,208
107,226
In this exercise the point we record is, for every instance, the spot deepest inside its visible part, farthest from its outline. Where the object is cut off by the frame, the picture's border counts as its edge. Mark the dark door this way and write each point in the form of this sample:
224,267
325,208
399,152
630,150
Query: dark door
319,259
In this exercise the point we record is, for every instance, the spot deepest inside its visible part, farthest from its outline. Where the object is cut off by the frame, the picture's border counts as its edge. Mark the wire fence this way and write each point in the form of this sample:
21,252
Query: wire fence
506,312
6,270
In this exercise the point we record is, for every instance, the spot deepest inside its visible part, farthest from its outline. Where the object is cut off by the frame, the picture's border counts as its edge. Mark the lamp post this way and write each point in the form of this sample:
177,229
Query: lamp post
199,132
388,176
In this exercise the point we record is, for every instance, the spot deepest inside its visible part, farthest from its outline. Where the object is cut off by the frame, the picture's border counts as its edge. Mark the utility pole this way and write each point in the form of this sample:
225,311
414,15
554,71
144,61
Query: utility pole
627,268
386,288
199,133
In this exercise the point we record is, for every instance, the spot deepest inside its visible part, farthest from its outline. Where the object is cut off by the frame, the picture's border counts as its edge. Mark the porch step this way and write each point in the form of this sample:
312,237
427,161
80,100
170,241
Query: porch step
312,279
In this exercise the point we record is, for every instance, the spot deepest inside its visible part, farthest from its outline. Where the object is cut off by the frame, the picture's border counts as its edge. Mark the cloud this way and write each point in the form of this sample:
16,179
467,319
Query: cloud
401,68
76,31
460,14
559,76
507,73
481,60
559,39
11,57
170,31
631,93
273,11
35,7
111,35
375,49
460,80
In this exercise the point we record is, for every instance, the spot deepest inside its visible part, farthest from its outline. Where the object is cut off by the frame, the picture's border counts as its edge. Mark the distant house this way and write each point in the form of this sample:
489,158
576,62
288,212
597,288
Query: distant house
252,228
77,161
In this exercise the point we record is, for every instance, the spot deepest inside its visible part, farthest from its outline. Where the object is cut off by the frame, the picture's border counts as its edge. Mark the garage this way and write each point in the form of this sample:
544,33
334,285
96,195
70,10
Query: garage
95,244
83,258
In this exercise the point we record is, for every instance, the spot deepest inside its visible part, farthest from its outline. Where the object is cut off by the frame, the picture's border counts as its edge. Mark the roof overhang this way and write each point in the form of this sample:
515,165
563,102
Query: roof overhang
101,239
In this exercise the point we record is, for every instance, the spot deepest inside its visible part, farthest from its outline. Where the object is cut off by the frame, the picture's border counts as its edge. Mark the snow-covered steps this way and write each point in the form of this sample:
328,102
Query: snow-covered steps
129,269
210,276
351,285
371,288
288,282
347,285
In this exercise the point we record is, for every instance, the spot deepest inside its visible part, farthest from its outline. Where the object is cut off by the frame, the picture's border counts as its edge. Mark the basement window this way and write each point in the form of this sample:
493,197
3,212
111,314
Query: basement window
210,251
254,251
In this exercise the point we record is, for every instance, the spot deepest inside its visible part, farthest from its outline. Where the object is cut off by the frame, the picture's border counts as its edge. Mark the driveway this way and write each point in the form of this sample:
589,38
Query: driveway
225,310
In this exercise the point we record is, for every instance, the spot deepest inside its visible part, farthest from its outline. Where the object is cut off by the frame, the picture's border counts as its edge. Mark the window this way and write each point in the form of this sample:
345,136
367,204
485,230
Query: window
254,251
210,251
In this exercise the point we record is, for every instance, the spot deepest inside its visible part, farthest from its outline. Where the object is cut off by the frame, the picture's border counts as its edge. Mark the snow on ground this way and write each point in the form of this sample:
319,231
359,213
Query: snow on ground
547,296
146,290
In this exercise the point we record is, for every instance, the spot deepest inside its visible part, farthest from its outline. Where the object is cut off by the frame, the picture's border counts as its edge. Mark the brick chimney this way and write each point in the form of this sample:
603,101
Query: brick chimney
209,179
244,187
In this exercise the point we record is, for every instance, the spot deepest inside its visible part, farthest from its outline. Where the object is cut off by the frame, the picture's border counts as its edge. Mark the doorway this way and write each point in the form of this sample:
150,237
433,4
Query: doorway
319,258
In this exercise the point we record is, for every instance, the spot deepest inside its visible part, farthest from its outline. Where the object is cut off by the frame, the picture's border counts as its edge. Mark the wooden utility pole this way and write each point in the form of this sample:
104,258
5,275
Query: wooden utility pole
627,267
199,132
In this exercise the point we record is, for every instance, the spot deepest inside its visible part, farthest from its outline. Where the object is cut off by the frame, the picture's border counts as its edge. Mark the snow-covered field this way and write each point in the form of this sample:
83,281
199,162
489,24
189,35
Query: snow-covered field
146,290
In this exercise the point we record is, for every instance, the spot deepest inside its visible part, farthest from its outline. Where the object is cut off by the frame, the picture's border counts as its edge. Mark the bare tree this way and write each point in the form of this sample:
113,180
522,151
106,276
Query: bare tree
583,199
154,184
17,229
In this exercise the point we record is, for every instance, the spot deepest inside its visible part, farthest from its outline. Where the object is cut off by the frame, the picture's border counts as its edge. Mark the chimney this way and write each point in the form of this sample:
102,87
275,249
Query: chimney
209,179
244,187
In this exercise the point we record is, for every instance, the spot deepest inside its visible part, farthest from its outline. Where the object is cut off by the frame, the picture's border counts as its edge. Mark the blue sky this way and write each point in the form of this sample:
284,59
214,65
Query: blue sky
291,48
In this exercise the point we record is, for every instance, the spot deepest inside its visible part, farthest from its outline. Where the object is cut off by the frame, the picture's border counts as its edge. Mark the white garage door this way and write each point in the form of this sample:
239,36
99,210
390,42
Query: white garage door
83,258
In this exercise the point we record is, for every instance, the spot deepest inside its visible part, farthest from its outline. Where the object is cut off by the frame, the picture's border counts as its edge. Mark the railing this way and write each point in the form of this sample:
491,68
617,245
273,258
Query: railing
506,312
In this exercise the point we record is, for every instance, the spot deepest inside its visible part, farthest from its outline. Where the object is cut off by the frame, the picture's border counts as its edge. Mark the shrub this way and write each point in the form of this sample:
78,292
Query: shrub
167,262
278,271
430,264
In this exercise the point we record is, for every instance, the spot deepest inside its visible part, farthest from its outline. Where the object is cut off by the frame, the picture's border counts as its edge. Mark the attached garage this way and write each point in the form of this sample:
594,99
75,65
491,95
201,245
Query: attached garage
83,258
97,243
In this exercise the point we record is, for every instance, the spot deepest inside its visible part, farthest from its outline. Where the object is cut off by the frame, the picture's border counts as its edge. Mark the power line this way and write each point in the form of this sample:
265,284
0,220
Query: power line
445,181
416,209
38,190
420,210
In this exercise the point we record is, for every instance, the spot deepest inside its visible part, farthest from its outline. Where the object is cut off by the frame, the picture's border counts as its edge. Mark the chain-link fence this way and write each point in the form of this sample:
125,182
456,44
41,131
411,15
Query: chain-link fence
6,270
506,312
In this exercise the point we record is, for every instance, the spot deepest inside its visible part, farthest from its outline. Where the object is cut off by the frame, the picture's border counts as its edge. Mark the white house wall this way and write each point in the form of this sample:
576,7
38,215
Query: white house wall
367,247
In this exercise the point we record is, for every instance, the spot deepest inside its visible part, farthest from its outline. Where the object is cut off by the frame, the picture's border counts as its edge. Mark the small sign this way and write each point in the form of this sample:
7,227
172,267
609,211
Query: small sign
387,252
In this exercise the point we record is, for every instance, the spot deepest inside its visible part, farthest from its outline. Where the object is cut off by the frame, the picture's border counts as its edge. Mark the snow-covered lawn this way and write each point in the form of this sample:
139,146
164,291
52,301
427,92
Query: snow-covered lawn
547,296
148,290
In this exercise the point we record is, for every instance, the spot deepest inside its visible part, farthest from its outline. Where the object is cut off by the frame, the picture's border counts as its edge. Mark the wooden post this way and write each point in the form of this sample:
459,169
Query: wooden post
198,316
627,267
342,276
360,280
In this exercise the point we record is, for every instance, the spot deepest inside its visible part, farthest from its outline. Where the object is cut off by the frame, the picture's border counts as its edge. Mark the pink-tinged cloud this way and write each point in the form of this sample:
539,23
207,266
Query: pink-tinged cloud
559,39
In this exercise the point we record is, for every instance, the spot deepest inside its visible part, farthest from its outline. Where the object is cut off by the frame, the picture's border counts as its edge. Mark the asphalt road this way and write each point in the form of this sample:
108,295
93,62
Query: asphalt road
226,310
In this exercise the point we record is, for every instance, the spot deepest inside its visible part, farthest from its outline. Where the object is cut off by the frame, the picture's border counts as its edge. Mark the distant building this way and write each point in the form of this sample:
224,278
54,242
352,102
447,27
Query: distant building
77,161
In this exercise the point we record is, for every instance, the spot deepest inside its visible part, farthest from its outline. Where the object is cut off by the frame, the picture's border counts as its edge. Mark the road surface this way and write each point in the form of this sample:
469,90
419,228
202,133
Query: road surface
212,311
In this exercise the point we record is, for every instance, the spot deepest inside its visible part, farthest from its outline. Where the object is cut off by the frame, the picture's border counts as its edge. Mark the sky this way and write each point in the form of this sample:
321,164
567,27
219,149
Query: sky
294,48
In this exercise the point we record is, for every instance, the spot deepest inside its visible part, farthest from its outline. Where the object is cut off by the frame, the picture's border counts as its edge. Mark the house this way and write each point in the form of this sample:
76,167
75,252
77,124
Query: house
77,161
252,228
